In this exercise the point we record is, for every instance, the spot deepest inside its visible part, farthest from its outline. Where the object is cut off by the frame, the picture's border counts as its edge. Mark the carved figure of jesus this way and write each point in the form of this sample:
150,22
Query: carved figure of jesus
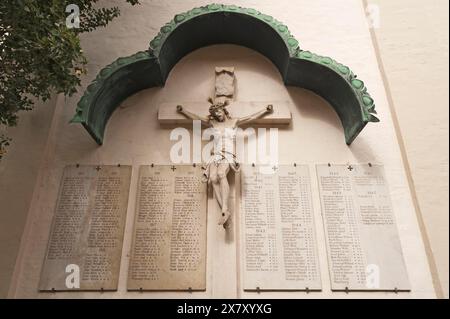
223,155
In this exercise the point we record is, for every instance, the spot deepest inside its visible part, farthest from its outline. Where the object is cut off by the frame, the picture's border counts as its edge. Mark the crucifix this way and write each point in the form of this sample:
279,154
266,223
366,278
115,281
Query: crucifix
224,124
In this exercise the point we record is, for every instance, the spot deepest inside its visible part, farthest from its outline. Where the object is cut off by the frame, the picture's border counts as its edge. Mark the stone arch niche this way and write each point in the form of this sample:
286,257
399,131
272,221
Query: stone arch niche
226,24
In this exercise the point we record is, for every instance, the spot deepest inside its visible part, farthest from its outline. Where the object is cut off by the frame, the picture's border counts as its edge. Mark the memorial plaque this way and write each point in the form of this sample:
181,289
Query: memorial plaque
364,250
278,243
85,243
169,245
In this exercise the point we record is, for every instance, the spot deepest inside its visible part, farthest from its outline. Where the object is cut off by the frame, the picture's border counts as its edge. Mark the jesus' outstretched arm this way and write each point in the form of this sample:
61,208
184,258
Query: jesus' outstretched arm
192,116
250,118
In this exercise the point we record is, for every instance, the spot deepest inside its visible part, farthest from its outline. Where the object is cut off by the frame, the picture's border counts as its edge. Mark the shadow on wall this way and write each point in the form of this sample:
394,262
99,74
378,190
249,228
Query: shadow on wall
192,80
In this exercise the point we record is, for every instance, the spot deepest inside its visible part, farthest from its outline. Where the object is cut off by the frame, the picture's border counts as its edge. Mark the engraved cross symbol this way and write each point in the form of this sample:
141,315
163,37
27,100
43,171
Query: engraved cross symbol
98,168
274,168
350,168
173,168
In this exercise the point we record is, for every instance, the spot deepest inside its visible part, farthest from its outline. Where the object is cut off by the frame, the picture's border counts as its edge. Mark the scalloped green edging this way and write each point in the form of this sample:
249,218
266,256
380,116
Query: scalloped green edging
85,102
291,43
358,86
202,26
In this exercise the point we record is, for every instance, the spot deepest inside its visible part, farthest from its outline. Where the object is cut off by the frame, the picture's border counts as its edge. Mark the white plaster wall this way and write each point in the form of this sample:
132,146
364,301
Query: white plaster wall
413,44
314,137
19,169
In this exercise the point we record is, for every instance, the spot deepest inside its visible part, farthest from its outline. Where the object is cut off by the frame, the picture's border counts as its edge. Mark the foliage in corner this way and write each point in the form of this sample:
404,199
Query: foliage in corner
39,54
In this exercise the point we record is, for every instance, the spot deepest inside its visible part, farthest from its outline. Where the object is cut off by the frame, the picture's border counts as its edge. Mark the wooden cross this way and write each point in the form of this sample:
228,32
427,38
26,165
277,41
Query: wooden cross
225,90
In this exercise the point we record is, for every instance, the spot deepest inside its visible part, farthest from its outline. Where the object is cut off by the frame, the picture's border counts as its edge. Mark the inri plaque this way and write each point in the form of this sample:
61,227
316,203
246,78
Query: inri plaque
169,245
85,243
364,250
278,243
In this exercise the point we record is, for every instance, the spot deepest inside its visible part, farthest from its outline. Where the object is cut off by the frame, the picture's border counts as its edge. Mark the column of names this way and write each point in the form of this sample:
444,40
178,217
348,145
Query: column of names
278,237
87,232
363,246
169,244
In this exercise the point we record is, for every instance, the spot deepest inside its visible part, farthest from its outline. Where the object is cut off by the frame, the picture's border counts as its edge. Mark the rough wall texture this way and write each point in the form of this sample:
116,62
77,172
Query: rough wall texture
413,45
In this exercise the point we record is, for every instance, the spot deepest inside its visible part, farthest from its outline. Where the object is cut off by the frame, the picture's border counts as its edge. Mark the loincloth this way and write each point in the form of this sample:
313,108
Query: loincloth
220,157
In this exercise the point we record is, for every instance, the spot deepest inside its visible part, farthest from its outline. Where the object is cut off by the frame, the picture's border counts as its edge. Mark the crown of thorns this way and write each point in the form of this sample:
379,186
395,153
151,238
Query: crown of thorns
218,106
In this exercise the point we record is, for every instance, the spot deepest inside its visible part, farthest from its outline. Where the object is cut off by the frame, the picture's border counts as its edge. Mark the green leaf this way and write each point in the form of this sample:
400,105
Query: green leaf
38,53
